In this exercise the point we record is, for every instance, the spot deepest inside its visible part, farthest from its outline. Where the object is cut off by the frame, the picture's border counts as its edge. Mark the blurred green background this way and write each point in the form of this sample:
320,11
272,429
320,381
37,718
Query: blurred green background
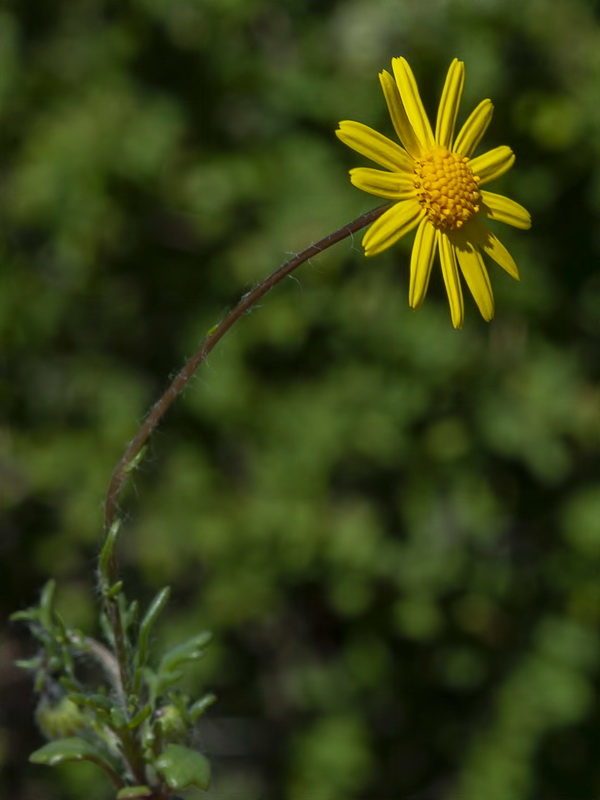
392,528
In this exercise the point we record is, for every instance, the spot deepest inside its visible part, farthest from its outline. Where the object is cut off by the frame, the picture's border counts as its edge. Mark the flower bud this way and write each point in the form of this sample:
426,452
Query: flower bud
171,722
59,720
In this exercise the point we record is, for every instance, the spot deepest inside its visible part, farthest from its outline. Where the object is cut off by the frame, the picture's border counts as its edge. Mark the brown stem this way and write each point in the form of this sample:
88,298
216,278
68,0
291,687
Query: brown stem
127,461
121,472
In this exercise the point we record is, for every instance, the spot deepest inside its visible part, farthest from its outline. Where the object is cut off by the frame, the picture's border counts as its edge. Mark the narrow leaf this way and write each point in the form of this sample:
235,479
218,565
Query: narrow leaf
27,615
114,590
47,604
135,461
140,717
29,663
189,650
107,551
200,706
150,617
132,614
95,701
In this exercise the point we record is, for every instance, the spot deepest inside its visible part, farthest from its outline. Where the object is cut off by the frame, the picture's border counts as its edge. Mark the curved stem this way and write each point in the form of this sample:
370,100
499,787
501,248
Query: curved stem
109,578
121,472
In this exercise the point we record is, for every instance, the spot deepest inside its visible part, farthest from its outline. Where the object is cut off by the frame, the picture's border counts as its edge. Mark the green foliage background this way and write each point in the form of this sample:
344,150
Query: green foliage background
393,528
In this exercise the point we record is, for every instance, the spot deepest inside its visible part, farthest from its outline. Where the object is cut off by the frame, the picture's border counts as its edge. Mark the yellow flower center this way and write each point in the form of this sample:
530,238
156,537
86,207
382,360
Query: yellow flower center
446,188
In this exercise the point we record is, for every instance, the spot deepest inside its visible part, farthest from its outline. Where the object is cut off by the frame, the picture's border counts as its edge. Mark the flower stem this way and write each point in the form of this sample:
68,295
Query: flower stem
120,664
123,468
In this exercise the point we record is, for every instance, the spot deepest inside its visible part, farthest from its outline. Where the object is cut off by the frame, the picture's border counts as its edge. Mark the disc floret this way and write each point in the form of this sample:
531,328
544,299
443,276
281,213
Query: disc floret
446,188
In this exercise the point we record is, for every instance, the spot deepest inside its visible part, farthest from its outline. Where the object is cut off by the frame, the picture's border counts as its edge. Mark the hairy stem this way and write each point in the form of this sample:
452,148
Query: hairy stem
119,664
121,472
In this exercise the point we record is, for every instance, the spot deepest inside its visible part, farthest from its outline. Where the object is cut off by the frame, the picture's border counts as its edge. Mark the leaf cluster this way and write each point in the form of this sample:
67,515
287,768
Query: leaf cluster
133,725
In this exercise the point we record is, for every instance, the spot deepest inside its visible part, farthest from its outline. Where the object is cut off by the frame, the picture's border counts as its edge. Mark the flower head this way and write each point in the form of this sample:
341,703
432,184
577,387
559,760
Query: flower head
436,186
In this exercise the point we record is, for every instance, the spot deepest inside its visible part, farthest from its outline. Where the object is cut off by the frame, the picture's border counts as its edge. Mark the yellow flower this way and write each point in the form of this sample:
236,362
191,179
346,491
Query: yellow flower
437,186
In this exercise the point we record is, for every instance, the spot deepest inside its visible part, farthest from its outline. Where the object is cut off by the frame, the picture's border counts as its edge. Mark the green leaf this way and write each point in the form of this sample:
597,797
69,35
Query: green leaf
133,792
143,714
135,461
106,553
146,624
114,590
200,706
28,615
132,614
61,632
29,663
107,630
95,701
47,604
72,749
189,650
183,767
117,717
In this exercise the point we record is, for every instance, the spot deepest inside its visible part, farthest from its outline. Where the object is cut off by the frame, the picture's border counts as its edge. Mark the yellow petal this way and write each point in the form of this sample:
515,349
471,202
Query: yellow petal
392,185
421,259
392,225
397,111
480,234
492,164
475,274
449,103
496,206
374,145
411,100
451,279
472,131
